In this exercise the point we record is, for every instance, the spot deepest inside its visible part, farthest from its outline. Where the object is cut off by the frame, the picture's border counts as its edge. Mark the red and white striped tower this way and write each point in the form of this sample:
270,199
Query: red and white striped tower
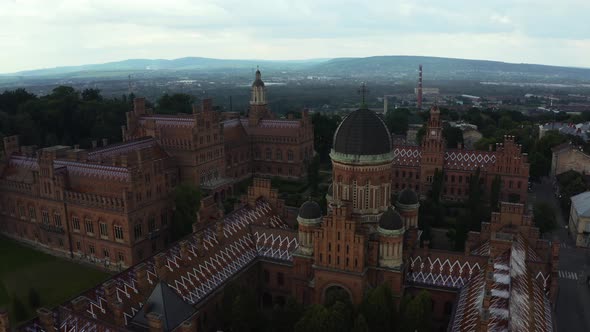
420,87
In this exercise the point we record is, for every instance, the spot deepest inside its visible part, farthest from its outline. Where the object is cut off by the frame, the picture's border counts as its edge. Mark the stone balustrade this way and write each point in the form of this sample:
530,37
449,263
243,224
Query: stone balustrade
16,186
94,200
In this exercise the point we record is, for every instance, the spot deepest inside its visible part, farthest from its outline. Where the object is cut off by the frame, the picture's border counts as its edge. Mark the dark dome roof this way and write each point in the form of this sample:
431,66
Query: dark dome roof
310,210
362,132
408,197
391,220
258,80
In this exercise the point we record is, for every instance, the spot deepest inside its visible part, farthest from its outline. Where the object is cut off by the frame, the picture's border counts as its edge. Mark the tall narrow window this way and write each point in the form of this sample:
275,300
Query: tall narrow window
118,232
104,229
76,223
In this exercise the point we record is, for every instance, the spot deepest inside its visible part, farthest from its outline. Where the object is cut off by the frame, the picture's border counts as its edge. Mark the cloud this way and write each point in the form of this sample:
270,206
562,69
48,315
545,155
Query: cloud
39,33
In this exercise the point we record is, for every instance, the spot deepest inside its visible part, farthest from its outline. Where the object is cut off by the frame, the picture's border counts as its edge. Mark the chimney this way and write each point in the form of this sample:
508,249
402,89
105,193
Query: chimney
219,231
118,313
109,288
46,319
490,147
184,253
188,326
200,243
426,244
4,320
139,106
80,304
77,146
161,269
290,116
94,144
155,322
105,141
141,277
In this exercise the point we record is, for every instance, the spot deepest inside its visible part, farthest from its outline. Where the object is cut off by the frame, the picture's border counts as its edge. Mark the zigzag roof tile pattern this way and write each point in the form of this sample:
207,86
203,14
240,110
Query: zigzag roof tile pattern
517,299
468,160
248,233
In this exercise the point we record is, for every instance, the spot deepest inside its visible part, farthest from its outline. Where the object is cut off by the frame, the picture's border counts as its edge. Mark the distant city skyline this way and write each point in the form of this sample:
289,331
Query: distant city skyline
40,34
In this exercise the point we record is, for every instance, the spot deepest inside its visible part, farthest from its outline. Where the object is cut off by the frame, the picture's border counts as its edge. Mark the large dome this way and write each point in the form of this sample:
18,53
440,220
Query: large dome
362,132
391,220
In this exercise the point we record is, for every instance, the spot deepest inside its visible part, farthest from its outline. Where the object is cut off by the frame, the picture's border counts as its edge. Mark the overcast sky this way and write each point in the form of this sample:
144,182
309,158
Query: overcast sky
49,33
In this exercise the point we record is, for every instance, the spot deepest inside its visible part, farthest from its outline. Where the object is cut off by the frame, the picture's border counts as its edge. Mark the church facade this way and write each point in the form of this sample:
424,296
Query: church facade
506,279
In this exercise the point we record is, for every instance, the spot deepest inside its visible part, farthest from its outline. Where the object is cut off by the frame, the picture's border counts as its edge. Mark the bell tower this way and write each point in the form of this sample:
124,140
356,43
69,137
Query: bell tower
258,108
433,151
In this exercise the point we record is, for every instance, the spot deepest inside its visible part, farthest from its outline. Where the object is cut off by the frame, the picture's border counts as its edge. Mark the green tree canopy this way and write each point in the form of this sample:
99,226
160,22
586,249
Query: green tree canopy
379,309
545,216
187,201
176,103
397,120
417,313
324,127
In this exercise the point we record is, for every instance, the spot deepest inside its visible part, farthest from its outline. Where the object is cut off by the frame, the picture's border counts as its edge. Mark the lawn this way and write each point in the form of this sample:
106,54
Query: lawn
55,279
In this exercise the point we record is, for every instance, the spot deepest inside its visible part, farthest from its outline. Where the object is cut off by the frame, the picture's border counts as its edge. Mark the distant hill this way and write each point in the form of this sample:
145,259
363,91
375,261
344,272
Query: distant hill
377,67
188,63
447,68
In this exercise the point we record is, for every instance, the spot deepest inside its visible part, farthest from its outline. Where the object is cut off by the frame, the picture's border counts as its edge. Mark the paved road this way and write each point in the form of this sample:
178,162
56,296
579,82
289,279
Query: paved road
573,300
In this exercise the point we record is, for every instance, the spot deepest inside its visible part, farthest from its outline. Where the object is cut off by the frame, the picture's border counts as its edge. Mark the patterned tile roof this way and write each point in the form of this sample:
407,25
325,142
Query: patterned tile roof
121,148
248,233
469,159
407,155
517,299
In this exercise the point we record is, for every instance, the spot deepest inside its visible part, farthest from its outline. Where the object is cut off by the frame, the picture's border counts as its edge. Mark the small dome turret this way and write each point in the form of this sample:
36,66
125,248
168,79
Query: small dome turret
407,197
391,220
310,210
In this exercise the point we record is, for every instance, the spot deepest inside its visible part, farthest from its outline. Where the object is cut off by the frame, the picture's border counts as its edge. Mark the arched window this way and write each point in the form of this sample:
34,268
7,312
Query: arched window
279,155
290,155
268,154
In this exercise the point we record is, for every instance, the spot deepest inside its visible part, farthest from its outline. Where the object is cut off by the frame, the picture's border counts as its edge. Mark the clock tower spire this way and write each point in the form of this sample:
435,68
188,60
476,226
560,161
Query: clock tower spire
433,151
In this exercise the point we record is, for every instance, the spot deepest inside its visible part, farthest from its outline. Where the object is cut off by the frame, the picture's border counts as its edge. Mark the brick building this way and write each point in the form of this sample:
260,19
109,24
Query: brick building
506,279
414,166
109,205
567,157
214,150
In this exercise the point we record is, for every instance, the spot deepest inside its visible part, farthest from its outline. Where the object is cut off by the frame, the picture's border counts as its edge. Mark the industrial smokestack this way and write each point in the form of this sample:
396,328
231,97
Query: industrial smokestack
420,87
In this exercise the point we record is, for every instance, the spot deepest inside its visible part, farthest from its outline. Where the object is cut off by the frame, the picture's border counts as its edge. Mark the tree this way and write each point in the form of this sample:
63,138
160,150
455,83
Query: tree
176,103
18,309
453,136
397,120
34,298
324,128
437,185
313,174
360,324
474,201
187,201
91,94
545,217
417,313
379,309
420,134
315,319
285,318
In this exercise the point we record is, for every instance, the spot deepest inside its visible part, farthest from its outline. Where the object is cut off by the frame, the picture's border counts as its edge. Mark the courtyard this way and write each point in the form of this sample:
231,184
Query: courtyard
33,278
